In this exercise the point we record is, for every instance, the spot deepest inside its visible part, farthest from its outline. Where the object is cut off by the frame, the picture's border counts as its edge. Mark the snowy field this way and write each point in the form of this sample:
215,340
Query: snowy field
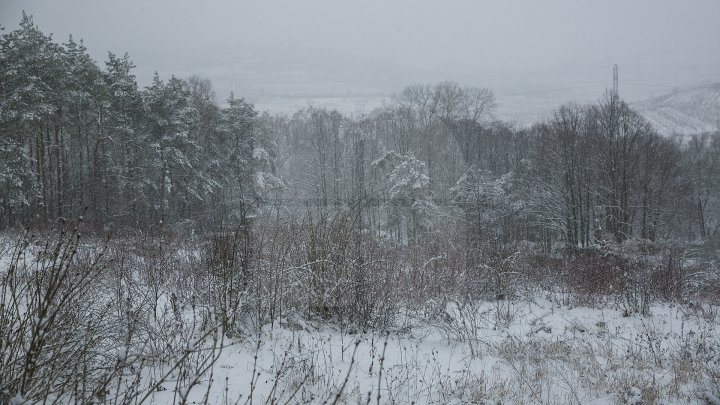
529,351
135,329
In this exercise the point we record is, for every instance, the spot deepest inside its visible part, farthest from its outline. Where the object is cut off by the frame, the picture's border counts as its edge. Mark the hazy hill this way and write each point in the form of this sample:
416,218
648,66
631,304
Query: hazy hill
684,112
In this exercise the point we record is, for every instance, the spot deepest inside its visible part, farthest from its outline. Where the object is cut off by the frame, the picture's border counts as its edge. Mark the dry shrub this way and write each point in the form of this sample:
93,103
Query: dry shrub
593,272
669,277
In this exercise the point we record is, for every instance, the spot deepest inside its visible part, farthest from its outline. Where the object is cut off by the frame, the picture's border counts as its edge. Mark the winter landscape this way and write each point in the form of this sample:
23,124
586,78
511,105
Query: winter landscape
406,202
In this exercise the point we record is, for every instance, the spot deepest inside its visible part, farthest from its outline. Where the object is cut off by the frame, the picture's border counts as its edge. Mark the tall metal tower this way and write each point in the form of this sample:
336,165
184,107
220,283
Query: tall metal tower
615,95
614,104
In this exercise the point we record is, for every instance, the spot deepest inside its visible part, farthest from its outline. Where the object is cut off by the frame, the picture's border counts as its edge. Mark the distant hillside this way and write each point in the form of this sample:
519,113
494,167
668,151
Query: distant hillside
684,112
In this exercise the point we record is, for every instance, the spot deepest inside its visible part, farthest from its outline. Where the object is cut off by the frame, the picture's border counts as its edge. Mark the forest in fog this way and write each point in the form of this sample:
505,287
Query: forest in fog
82,138
152,236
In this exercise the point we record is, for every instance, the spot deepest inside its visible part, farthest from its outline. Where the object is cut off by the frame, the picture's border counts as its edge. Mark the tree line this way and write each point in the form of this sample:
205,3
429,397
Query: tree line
80,138
434,163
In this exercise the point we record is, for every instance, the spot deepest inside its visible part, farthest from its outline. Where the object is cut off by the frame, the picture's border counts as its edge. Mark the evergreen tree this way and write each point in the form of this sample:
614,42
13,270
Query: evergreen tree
129,142
31,72
174,160
238,122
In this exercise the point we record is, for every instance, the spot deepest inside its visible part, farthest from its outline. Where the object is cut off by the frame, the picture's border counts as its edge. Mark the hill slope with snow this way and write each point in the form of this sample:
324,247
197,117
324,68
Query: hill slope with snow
684,112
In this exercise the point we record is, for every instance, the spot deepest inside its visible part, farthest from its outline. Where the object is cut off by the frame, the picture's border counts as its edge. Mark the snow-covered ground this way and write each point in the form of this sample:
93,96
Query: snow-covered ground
529,351
534,348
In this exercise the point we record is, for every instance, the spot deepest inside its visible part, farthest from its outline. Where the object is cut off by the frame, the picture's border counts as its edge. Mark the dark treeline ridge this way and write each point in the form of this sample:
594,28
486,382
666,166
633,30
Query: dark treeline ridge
78,138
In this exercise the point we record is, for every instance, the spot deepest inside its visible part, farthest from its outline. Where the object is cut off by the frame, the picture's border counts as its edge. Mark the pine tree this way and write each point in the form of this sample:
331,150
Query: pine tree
238,122
123,122
31,73
174,160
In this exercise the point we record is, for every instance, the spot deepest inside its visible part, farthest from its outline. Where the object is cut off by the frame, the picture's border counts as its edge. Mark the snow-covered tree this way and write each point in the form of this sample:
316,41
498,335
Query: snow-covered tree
31,74
484,199
175,159
407,188
237,129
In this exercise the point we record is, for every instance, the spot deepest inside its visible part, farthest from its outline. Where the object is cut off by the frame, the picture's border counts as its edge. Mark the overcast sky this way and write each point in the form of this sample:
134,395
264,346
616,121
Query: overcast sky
297,47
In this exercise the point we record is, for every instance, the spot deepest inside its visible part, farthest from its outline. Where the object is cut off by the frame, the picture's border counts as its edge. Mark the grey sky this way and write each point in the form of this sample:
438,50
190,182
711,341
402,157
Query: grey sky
317,48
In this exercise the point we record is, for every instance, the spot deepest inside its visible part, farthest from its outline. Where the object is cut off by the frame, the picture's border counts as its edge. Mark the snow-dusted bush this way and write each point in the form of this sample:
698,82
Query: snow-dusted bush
79,325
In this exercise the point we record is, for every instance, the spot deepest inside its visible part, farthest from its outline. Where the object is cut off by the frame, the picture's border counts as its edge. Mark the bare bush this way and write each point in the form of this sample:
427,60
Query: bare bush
71,333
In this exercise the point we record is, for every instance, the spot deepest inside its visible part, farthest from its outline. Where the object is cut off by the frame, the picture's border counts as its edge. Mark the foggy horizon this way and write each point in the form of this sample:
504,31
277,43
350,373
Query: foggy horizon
281,55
